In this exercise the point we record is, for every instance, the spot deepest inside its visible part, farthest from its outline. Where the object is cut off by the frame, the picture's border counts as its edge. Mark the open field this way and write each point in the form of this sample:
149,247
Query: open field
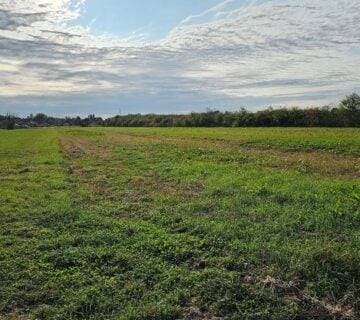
118,223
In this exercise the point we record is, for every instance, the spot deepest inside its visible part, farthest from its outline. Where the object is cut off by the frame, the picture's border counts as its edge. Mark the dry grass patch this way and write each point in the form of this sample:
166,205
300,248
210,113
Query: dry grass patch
313,308
75,147
319,163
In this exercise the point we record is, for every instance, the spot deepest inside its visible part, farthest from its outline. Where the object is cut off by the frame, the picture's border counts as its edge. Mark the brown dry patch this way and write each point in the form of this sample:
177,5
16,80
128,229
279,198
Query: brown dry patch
181,190
83,171
318,163
124,139
67,148
338,310
133,140
99,185
152,184
193,312
75,147
12,316
342,309
133,195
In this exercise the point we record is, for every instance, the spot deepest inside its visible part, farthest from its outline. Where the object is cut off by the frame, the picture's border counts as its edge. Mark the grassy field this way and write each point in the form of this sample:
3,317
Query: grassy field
103,223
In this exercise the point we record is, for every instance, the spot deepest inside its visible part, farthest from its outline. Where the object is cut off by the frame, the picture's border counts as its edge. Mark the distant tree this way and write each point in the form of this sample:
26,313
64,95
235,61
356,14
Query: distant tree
77,121
10,121
351,102
40,118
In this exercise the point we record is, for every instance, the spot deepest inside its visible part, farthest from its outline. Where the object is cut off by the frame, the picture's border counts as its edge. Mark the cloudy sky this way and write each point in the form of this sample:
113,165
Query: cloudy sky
70,57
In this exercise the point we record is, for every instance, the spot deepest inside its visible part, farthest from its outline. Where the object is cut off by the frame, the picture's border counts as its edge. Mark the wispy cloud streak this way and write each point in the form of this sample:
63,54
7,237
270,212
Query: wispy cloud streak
276,50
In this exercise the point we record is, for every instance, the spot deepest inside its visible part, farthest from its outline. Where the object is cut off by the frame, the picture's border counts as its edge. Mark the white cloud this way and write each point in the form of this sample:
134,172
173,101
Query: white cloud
213,10
277,50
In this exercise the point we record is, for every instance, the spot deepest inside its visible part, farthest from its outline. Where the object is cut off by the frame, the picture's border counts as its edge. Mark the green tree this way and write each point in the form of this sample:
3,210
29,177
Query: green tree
10,121
40,118
351,102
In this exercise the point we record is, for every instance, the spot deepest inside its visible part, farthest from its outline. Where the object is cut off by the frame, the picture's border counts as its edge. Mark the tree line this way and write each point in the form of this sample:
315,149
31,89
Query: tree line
347,114
11,121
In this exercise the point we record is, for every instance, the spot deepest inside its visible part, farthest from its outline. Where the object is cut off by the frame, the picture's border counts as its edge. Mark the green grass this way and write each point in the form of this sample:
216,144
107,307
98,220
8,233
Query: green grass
106,223
336,140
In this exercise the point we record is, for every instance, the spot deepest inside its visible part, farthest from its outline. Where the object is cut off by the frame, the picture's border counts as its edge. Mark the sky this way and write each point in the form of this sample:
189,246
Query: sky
76,57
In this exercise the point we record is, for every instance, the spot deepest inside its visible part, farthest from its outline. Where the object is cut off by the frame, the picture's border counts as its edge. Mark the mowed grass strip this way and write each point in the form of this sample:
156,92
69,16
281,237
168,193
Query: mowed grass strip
333,140
123,224
317,163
